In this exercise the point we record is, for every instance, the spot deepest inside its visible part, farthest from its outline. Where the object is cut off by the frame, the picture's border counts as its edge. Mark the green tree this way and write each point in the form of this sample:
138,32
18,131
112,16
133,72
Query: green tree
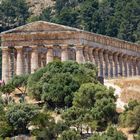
57,82
58,90
74,117
111,134
19,116
20,83
44,126
137,136
130,117
7,89
70,135
13,13
5,128
93,106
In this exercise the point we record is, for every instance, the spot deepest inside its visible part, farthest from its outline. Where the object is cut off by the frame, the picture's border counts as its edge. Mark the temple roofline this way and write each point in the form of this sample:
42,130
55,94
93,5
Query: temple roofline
63,28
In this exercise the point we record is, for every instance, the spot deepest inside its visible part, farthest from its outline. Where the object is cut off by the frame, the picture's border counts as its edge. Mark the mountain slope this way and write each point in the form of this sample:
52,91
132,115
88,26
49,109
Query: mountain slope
36,6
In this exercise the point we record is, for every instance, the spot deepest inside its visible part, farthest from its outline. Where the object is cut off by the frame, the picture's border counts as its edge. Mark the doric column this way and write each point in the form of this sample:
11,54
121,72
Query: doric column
95,54
25,57
134,66
125,66
34,59
130,66
5,64
10,64
138,66
39,59
86,54
110,74
101,63
26,62
43,60
120,66
115,65
64,53
49,55
106,63
79,54
91,56
96,57
19,63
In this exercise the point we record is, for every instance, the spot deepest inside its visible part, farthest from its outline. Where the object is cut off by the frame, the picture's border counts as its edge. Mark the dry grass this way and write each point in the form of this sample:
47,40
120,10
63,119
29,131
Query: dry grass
130,88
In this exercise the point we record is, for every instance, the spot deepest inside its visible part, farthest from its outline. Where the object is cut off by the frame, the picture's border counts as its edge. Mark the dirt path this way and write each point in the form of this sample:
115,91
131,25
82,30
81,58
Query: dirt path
120,104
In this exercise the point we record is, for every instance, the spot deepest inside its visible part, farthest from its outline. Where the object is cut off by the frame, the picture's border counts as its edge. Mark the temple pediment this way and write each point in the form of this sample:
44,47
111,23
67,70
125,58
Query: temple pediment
40,26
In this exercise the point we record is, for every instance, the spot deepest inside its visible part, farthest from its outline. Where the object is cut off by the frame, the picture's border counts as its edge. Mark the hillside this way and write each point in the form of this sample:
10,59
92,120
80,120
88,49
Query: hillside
126,89
37,6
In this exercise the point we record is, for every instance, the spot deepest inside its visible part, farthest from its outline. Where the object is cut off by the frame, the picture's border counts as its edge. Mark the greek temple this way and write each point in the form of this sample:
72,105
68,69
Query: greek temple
27,48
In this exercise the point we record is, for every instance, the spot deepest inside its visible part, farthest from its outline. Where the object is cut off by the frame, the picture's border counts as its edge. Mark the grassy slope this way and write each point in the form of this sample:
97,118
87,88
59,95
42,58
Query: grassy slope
130,88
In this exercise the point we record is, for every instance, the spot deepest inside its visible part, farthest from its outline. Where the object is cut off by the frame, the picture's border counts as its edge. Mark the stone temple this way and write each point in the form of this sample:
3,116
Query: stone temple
27,48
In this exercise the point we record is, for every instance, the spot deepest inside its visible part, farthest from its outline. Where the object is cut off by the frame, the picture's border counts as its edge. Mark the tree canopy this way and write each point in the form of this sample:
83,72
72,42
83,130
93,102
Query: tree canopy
131,116
56,83
111,134
13,13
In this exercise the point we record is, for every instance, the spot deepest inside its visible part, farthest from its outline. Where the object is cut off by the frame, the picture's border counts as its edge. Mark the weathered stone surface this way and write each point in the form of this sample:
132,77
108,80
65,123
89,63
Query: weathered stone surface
45,41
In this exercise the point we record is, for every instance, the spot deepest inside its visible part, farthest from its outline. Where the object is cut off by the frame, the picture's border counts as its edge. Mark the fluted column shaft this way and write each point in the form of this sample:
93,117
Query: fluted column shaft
91,56
19,63
125,66
49,55
127,63
79,54
106,64
130,66
115,65
96,57
138,66
34,59
101,63
86,55
110,65
5,64
64,53
27,62
120,66
10,64
134,67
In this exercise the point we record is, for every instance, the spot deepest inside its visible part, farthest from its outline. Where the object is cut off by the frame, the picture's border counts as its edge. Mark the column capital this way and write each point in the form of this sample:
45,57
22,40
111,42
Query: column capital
34,47
49,46
91,48
101,51
130,57
138,59
64,46
125,57
134,58
121,55
18,47
79,47
5,48
116,53
87,49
